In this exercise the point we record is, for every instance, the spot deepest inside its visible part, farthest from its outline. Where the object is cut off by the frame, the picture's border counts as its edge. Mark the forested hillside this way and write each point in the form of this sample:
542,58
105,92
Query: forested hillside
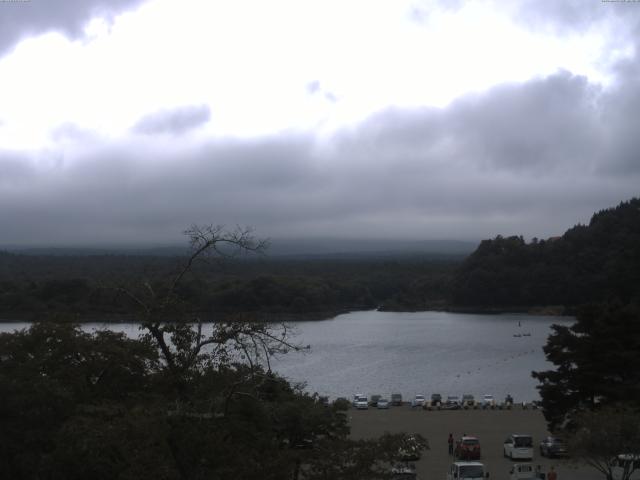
87,286
589,263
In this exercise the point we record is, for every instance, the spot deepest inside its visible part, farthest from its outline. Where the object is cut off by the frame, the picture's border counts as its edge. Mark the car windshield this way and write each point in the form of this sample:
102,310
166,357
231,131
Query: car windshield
473,471
470,441
523,442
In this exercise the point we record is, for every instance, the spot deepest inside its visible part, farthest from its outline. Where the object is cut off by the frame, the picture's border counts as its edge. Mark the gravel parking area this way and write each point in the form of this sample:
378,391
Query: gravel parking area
491,427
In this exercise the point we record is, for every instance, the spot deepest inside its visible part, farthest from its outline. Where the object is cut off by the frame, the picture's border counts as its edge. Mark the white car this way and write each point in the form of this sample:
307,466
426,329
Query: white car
518,447
468,401
418,401
488,401
467,471
524,471
383,403
361,402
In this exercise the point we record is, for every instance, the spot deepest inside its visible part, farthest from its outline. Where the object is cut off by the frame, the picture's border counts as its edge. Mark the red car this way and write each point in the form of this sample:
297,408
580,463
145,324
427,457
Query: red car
467,448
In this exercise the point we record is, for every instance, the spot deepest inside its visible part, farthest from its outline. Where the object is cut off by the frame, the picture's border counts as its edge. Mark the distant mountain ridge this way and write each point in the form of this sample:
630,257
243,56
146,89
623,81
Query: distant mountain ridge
589,263
319,247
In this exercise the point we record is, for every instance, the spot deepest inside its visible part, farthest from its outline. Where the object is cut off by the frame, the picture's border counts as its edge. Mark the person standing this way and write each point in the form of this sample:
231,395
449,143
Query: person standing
450,442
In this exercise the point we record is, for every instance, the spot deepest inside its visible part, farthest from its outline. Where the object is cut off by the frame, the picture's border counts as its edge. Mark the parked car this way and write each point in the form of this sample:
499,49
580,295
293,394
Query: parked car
374,400
518,446
383,403
361,402
418,401
324,400
436,398
396,399
403,471
452,403
468,401
467,471
524,471
553,447
488,401
467,448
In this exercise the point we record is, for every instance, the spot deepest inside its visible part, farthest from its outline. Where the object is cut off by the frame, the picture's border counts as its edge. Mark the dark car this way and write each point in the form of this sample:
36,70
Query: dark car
436,398
396,399
467,448
553,447
374,400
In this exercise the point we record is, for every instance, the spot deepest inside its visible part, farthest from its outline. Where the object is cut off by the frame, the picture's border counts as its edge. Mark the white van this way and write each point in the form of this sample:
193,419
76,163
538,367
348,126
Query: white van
518,447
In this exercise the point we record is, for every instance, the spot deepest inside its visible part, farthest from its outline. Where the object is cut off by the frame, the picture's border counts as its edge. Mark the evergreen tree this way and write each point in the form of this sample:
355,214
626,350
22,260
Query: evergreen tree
595,360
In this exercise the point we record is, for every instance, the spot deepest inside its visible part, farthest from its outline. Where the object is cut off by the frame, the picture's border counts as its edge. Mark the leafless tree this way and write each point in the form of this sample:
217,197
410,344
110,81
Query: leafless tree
180,337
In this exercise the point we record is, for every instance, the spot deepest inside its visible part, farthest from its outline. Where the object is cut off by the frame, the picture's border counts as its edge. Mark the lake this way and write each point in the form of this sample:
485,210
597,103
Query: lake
375,352
424,352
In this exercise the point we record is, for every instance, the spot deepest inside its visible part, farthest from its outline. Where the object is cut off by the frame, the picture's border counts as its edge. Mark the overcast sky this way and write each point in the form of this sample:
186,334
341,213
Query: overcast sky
125,121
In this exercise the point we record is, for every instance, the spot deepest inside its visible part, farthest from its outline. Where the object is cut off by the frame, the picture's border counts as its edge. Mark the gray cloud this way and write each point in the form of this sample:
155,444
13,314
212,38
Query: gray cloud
314,88
568,15
15,168
531,159
174,121
19,20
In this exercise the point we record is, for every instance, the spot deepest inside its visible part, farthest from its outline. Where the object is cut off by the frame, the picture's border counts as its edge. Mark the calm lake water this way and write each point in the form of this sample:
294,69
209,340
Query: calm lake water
425,352
374,352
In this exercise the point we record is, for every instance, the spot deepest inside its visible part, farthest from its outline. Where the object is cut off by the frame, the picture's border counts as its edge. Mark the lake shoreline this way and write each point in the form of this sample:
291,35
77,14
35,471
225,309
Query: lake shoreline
285,317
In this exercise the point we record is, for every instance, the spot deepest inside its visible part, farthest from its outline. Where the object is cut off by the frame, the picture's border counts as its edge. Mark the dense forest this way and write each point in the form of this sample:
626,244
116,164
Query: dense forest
84,286
589,263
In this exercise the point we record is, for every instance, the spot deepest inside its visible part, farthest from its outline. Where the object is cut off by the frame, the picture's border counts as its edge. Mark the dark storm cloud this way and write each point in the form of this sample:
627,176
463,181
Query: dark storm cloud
532,159
22,19
174,121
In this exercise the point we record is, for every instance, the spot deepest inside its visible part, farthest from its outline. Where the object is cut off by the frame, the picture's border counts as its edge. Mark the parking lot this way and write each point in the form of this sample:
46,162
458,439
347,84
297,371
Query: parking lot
492,427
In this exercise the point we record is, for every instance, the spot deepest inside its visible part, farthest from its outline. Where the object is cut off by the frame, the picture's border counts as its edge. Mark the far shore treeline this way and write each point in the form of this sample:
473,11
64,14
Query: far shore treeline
589,263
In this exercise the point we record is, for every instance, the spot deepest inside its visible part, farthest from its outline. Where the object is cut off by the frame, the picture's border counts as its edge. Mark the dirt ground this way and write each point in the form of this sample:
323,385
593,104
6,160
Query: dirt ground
492,427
